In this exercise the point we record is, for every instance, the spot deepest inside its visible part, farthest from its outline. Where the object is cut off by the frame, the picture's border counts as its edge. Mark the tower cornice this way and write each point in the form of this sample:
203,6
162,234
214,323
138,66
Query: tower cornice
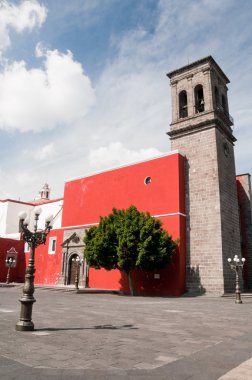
207,60
207,124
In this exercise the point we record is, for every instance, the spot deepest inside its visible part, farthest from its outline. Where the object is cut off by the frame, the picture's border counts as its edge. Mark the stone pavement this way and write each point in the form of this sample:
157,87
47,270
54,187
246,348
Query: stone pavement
108,336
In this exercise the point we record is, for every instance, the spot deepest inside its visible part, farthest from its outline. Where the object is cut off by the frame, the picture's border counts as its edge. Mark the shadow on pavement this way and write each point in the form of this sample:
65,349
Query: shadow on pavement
98,327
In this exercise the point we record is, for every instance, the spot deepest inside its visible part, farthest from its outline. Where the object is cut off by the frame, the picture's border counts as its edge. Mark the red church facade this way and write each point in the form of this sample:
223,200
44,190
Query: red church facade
156,186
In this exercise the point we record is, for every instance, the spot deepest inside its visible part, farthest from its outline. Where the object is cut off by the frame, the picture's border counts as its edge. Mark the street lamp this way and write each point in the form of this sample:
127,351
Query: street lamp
78,262
10,263
237,265
34,239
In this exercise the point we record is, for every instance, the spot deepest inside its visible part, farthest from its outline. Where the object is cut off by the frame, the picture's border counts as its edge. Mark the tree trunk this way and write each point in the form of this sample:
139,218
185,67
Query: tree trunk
132,293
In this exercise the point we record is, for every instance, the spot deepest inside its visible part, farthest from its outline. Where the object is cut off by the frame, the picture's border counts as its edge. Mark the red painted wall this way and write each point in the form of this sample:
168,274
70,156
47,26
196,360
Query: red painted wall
48,266
86,199
171,281
16,274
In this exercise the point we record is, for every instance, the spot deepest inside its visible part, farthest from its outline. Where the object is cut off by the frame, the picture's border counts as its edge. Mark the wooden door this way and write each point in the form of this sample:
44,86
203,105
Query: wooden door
73,270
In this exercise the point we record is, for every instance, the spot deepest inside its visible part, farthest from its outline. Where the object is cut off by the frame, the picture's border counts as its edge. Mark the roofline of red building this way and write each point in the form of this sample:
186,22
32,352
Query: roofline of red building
127,165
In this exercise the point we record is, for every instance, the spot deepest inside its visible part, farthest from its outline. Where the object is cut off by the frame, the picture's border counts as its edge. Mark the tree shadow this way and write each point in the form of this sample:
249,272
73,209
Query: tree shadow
97,327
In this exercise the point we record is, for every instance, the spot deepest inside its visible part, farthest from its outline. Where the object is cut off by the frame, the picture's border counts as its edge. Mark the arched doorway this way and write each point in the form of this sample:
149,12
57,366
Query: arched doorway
74,269
73,247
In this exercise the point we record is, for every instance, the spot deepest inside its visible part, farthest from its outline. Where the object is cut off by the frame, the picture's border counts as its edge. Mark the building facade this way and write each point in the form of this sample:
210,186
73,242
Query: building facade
193,190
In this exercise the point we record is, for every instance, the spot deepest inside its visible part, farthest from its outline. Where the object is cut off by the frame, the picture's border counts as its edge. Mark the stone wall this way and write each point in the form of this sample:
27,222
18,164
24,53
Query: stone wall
229,210
203,231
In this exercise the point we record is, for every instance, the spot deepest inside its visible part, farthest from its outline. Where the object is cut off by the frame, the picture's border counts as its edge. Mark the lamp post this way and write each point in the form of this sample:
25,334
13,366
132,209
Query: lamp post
34,239
236,264
78,262
10,262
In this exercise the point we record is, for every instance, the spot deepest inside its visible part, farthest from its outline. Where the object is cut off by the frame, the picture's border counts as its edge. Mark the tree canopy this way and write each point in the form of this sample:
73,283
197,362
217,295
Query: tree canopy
128,239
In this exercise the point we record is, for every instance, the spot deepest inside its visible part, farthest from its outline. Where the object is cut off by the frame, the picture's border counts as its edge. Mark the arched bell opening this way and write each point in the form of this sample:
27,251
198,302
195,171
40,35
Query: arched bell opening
183,111
199,99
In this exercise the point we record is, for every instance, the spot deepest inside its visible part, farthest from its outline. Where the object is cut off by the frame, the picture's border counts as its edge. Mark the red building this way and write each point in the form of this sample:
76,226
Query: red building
156,186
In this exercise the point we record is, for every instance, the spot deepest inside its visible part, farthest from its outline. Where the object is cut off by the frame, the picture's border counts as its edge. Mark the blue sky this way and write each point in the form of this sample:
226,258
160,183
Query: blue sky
83,83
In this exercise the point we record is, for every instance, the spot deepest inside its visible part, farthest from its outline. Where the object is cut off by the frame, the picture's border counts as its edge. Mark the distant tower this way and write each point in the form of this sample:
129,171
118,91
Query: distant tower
45,192
201,128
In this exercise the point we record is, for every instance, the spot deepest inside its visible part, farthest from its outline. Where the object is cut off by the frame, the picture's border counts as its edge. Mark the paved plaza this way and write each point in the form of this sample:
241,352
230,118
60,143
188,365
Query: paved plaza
110,336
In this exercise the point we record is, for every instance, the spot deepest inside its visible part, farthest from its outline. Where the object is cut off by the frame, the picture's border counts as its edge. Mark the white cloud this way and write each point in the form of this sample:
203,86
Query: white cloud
115,154
131,106
25,178
4,179
27,15
19,181
37,99
45,152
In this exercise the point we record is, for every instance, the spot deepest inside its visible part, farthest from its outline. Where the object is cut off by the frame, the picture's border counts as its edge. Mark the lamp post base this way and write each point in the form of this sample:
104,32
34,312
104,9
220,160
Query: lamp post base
25,326
238,298
25,321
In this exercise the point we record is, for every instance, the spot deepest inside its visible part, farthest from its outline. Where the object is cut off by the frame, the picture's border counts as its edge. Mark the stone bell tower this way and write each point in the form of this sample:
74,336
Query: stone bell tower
201,128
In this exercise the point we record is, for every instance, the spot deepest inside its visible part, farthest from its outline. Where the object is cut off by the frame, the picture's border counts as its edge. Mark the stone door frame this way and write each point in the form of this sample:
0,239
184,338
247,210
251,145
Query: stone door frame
73,245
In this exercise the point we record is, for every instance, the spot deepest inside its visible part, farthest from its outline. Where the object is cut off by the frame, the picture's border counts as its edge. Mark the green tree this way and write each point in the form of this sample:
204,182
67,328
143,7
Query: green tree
128,239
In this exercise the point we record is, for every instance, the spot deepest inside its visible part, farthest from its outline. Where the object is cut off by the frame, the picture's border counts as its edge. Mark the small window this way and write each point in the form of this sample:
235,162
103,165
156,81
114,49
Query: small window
199,99
147,180
52,245
183,104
